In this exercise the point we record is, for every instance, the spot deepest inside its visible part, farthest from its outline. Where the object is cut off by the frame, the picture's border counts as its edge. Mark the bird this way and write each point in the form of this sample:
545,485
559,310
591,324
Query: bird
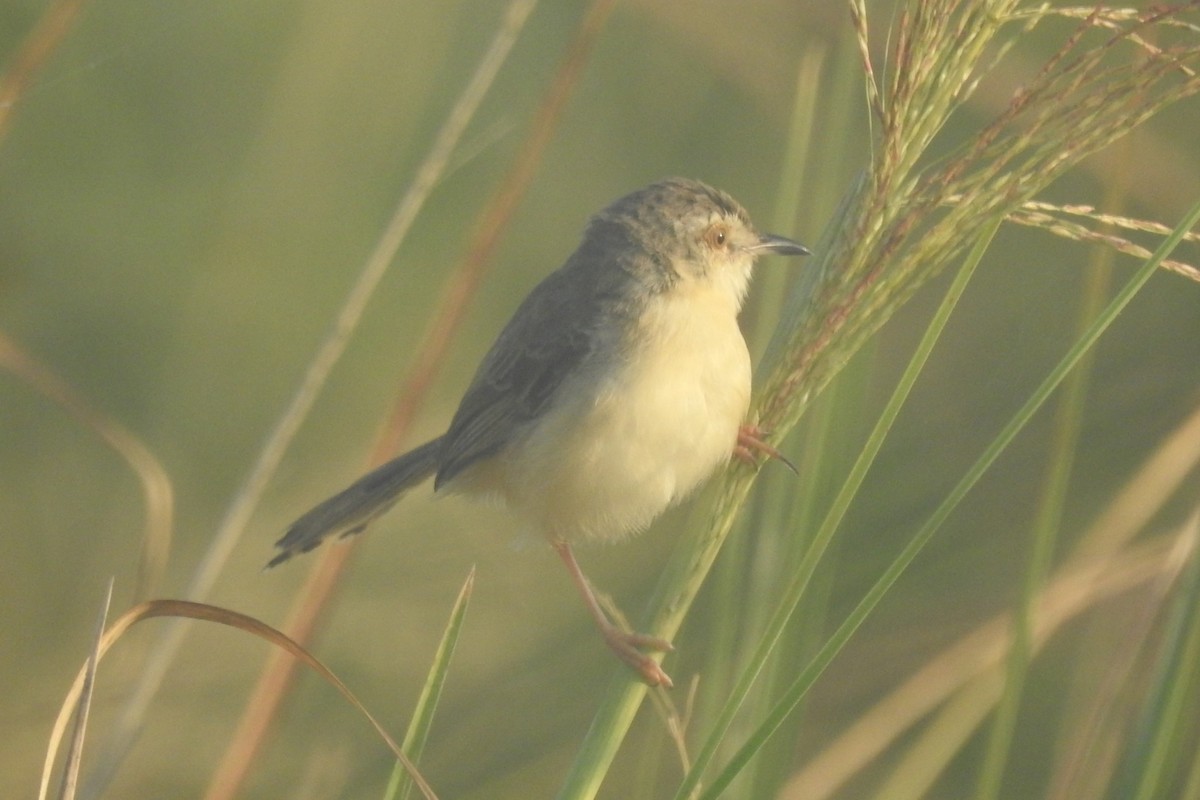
619,385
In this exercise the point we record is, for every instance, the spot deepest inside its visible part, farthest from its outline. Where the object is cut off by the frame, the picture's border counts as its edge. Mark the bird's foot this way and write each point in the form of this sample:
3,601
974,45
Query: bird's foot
750,444
629,646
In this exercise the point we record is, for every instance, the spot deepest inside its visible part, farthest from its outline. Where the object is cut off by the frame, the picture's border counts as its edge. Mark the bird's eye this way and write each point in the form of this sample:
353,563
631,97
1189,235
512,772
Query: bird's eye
716,236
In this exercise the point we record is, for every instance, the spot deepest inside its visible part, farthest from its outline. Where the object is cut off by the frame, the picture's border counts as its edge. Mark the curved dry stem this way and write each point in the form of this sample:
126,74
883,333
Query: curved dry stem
184,609
157,492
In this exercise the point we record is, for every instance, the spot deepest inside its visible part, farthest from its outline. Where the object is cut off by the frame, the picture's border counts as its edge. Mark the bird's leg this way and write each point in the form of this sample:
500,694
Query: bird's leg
627,645
750,443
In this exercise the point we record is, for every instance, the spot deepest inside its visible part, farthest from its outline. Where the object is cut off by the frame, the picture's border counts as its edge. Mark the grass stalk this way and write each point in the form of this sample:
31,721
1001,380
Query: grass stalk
238,514
158,495
744,558
898,226
461,288
70,778
1044,533
1078,584
35,51
792,596
1169,722
959,671
833,646
175,610
833,518
400,784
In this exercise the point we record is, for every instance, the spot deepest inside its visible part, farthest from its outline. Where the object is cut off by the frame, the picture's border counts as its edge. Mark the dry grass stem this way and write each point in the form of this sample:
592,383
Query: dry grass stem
1103,564
241,508
56,22
185,609
157,492
462,286
1069,594
1052,219
70,780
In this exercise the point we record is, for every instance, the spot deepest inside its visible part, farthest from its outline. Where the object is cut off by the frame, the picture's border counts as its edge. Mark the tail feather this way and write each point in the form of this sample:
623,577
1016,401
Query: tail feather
352,509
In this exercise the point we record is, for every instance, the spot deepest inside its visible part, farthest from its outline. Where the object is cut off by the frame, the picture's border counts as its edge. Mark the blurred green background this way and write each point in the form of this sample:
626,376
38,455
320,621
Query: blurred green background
188,191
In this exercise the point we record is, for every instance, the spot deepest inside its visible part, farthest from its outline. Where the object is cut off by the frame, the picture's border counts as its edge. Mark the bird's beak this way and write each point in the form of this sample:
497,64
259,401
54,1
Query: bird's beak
778,245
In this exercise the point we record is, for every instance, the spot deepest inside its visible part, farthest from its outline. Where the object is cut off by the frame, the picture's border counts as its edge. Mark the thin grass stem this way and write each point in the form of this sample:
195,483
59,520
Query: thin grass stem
400,784
246,500
1169,726
462,286
1044,534
790,599
833,646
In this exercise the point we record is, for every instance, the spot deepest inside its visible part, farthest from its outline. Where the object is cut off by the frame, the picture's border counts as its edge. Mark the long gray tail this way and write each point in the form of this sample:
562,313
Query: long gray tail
356,506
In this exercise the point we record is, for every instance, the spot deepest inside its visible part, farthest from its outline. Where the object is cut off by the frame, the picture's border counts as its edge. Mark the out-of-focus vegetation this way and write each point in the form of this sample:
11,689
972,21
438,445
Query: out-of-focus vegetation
187,193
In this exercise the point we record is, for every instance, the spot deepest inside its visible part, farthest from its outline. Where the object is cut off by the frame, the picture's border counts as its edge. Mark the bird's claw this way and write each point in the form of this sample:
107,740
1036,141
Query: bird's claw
629,647
750,444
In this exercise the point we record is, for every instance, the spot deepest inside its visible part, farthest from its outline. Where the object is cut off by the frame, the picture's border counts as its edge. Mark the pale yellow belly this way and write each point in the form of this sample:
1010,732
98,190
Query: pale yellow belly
618,450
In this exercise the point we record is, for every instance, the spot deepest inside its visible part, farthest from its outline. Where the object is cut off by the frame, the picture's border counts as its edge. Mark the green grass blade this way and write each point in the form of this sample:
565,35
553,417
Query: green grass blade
742,558
689,566
1168,726
809,675
400,784
70,776
1067,426
795,591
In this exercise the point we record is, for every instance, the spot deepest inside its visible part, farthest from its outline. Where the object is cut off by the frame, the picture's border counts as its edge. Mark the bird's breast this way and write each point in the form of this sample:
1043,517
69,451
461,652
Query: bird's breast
629,438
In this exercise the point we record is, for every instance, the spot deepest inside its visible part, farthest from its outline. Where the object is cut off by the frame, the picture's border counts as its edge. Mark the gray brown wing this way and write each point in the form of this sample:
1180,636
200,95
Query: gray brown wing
548,338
